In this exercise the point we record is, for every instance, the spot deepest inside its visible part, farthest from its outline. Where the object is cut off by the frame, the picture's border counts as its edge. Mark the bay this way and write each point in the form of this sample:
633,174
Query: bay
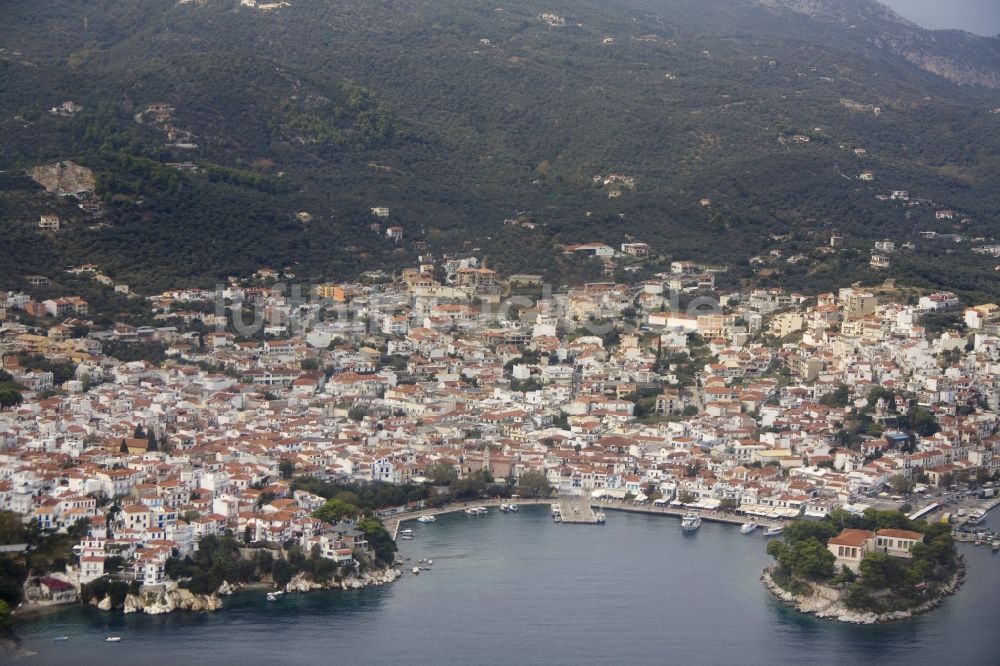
519,589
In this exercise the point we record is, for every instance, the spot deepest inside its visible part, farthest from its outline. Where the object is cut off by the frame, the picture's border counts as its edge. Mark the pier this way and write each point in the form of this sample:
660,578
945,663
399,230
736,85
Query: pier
576,510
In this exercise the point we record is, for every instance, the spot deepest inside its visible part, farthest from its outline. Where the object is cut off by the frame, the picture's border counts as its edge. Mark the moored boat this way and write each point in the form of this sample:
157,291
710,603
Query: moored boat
514,508
976,517
600,517
774,531
426,519
415,571
748,527
60,638
691,521
406,534
112,639
505,508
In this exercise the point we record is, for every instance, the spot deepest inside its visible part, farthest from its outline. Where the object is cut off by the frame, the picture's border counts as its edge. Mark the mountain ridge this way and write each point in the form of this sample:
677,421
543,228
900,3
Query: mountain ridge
485,115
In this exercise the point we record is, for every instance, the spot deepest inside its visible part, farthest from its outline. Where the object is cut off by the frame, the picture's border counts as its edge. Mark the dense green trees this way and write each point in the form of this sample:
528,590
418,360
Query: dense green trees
379,539
10,397
805,559
336,510
533,484
441,473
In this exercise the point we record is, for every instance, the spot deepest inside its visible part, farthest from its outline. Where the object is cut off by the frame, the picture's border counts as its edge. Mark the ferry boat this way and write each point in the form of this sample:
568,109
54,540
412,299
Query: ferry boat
112,639
406,534
774,531
426,519
747,528
976,517
690,522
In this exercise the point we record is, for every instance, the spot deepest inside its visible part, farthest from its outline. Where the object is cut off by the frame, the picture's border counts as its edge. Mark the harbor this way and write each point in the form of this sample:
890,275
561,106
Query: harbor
535,571
572,510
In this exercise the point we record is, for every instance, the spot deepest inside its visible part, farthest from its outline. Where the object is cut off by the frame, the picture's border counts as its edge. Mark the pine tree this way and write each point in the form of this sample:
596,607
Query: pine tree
151,441
123,448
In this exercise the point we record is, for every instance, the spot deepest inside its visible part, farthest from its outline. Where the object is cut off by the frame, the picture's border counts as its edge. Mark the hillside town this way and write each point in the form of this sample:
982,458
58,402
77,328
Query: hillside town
766,404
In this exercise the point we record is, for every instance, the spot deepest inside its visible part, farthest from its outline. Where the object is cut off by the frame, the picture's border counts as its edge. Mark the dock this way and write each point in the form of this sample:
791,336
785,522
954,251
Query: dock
576,510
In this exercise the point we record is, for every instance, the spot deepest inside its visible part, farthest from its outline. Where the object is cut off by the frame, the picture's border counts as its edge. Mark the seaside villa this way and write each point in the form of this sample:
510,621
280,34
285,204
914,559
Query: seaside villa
851,546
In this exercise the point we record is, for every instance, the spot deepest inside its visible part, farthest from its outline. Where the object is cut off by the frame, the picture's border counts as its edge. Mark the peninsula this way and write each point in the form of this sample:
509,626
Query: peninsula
864,569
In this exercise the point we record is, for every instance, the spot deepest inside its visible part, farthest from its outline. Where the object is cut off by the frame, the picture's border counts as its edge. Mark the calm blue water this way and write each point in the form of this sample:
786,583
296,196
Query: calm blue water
519,589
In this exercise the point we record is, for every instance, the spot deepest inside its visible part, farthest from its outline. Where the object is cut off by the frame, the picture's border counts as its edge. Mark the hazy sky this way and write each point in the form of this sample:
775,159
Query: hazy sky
979,16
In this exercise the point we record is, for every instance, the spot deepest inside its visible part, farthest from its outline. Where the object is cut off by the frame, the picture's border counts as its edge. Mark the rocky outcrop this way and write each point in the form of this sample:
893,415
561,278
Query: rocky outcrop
368,579
63,178
826,602
159,601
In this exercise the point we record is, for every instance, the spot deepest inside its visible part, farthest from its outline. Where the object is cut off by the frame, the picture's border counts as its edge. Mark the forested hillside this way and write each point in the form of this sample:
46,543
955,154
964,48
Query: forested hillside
458,114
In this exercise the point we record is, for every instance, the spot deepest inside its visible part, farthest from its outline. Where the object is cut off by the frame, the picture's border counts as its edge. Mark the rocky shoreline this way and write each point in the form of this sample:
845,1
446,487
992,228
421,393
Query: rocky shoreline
173,598
368,579
826,601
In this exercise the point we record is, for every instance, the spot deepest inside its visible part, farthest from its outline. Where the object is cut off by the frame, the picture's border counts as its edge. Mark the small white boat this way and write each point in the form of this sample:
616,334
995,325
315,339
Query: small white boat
415,571
514,508
430,561
996,546
774,531
112,639
426,519
482,510
690,522
505,508
60,638
406,534
747,528
600,517
271,596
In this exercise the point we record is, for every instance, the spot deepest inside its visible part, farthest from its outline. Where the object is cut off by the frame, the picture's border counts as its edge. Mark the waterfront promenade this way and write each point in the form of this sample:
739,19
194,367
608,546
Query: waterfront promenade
393,522
727,517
